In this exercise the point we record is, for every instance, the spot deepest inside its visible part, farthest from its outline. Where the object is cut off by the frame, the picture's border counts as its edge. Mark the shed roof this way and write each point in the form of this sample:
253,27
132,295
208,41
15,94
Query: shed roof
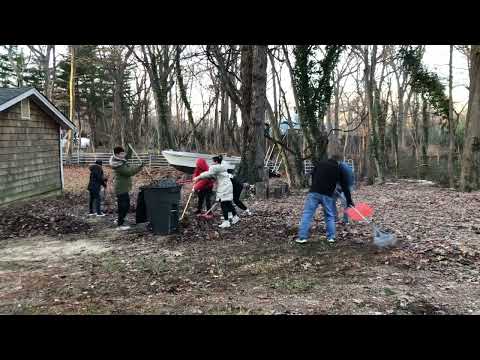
12,96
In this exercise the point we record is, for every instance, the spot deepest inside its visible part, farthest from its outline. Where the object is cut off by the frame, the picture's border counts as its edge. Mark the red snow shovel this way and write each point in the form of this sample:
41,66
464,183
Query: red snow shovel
381,238
360,212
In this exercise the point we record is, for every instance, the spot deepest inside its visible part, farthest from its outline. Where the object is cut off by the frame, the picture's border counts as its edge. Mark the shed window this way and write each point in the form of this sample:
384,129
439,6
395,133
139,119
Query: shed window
25,108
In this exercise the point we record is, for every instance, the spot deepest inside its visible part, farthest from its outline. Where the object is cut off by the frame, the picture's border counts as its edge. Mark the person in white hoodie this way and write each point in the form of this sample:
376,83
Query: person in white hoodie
224,190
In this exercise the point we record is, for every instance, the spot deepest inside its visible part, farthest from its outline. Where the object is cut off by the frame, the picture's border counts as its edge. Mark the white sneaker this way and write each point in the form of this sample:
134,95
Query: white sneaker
91,214
123,227
224,224
301,241
248,212
331,241
101,214
235,219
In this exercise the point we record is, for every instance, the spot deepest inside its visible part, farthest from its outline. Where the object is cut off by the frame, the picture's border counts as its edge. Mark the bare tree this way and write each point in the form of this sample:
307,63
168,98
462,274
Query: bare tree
259,96
42,54
469,179
116,60
451,134
369,57
198,141
159,62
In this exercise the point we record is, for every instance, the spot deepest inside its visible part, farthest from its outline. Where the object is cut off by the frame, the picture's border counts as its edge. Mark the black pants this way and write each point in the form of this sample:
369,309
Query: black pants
95,199
227,207
237,191
204,196
123,203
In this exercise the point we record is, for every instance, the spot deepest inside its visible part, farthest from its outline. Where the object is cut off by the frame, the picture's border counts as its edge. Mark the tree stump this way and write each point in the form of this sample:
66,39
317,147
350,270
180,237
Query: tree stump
277,192
261,190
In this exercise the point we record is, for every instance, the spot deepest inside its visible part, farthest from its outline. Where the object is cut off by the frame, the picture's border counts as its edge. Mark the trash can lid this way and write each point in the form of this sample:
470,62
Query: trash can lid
165,183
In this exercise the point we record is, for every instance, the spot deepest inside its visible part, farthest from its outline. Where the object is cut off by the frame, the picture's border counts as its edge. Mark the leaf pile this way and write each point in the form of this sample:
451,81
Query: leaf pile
50,216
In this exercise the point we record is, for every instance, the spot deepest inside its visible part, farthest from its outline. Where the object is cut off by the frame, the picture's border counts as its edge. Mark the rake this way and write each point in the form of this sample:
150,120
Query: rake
206,216
140,160
381,238
186,206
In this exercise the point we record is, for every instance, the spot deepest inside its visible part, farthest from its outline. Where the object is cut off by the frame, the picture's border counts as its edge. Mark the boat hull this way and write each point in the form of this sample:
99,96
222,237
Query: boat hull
185,161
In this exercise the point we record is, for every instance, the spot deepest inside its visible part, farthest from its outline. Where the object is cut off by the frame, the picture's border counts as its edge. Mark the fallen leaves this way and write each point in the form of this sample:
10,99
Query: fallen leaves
47,216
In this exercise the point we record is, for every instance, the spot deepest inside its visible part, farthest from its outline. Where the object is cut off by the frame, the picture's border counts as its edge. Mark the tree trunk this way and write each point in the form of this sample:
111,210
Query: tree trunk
381,113
48,82
234,126
214,140
69,149
401,116
415,134
259,93
395,140
54,74
292,137
451,131
223,122
116,113
425,133
16,65
471,151
370,86
314,100
246,169
158,68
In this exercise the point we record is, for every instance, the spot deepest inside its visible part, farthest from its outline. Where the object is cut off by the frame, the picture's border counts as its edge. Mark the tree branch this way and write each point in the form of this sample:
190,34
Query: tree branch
364,116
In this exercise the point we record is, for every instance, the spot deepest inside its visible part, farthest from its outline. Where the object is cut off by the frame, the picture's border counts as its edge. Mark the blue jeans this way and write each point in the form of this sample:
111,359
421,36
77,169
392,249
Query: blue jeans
343,201
329,212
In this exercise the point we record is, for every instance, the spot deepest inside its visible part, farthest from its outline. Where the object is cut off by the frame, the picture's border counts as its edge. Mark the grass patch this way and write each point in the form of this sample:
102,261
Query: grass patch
298,285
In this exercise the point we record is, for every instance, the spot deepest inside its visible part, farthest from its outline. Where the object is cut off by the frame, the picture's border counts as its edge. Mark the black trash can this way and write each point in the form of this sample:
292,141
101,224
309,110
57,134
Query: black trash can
162,201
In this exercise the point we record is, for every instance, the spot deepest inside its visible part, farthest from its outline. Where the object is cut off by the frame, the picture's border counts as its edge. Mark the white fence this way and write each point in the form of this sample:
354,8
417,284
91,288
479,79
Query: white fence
152,160
308,166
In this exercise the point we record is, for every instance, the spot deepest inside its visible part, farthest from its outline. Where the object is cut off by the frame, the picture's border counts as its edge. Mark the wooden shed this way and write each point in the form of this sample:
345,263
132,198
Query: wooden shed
30,151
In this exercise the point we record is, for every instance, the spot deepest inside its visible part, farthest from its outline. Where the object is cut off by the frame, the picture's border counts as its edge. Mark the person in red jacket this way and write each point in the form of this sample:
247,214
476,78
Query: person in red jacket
203,188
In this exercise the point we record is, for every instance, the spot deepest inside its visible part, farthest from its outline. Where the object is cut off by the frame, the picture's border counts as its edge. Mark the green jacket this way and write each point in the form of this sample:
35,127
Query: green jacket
123,173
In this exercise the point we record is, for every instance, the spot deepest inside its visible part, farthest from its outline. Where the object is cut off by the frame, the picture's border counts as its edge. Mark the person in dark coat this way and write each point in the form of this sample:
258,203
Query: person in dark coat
97,180
325,176
237,191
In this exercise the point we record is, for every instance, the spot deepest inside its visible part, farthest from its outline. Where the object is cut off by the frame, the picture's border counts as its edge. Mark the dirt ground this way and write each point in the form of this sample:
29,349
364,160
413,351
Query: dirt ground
49,266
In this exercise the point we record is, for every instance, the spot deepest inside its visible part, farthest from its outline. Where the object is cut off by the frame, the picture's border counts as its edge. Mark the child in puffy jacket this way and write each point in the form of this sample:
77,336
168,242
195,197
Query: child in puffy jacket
218,171
203,188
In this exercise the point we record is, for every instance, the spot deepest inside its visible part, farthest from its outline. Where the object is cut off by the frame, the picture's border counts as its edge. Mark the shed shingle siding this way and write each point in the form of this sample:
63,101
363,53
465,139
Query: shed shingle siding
29,154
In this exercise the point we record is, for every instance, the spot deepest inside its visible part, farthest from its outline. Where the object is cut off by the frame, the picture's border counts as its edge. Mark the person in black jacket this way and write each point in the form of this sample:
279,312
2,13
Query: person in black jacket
237,192
325,176
97,180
